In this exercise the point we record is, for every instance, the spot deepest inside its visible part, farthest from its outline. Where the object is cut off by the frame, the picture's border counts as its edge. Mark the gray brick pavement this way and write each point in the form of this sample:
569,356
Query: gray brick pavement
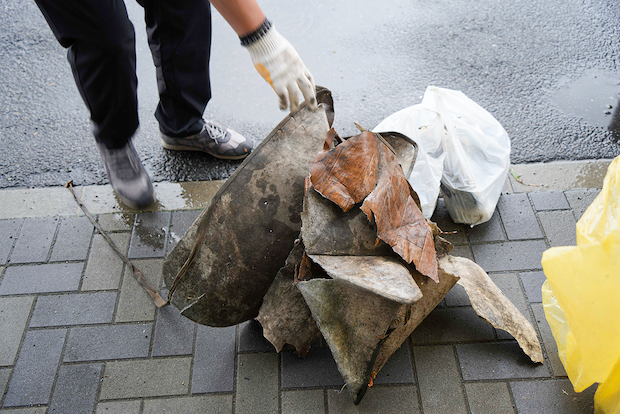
14,313
496,361
489,397
518,217
174,334
140,378
439,380
509,256
77,333
398,369
119,407
204,404
303,401
133,304
532,285
533,397
35,240
490,231
34,373
549,200
9,229
317,369
214,360
103,342
579,200
73,239
388,400
148,238
76,389
257,384
73,309
559,227
104,268
43,278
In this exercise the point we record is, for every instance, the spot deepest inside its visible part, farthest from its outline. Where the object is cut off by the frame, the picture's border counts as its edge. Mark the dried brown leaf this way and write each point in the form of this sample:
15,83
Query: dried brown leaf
400,222
362,168
347,173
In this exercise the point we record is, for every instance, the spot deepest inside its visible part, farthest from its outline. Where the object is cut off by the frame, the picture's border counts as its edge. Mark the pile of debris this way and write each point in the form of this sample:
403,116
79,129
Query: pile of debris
318,235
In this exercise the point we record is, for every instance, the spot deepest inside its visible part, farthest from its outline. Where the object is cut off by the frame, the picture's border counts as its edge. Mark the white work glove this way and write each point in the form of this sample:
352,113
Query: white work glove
279,64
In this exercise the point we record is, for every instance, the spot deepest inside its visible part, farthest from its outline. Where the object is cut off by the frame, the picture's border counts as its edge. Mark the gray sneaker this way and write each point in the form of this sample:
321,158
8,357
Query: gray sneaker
127,176
214,140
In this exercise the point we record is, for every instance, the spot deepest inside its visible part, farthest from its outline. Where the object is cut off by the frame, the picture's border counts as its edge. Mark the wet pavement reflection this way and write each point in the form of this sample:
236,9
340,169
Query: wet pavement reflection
614,126
590,97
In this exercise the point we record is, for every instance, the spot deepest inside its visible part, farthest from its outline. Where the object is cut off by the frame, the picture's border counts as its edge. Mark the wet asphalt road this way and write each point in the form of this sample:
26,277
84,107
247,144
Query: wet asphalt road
548,70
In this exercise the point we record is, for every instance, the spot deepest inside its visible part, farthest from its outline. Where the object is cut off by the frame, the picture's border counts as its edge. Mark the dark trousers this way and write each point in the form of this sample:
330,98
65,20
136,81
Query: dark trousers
100,42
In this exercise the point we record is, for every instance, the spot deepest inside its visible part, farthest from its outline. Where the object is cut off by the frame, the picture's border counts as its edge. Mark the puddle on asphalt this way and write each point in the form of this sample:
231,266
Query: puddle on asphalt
594,97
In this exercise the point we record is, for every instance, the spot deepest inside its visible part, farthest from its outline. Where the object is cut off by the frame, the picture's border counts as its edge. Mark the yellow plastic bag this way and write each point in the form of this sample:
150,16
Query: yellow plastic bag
581,297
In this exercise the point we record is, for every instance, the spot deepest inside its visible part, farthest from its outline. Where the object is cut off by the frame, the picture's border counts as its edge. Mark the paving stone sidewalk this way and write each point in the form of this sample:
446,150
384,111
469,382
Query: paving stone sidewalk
78,335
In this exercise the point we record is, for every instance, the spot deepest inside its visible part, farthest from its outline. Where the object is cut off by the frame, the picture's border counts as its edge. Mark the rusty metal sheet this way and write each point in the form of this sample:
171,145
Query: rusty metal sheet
227,260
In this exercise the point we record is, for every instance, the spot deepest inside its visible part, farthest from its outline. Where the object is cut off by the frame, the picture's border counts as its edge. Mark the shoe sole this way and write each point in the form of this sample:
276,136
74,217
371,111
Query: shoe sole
186,148
133,205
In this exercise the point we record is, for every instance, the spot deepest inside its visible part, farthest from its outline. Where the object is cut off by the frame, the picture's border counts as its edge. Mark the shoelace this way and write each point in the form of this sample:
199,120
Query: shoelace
216,132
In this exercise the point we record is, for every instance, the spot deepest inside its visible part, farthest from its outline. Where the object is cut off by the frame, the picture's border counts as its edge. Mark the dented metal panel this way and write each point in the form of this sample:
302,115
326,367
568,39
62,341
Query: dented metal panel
233,251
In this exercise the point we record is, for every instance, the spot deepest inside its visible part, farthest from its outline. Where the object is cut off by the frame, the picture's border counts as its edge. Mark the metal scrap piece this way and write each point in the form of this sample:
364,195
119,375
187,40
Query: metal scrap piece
354,323
383,276
227,260
492,305
284,314
410,317
356,317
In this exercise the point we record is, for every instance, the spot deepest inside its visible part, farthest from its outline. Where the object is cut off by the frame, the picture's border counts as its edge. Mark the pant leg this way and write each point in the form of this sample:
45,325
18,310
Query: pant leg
100,42
179,33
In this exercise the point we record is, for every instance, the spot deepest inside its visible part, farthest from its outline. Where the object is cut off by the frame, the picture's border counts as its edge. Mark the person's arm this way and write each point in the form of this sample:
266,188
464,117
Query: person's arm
244,16
275,59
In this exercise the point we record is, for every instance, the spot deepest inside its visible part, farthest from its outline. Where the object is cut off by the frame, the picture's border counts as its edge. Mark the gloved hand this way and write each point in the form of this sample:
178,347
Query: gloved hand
280,65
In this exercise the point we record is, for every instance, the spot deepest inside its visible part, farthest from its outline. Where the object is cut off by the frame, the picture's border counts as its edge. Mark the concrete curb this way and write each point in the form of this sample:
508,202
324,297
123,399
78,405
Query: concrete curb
195,195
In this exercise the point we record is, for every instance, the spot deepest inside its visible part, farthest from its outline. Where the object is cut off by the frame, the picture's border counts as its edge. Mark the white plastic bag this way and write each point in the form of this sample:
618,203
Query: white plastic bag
425,128
464,145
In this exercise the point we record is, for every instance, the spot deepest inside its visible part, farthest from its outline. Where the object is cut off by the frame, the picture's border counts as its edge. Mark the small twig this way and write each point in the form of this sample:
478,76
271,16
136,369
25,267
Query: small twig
159,301
361,128
518,178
